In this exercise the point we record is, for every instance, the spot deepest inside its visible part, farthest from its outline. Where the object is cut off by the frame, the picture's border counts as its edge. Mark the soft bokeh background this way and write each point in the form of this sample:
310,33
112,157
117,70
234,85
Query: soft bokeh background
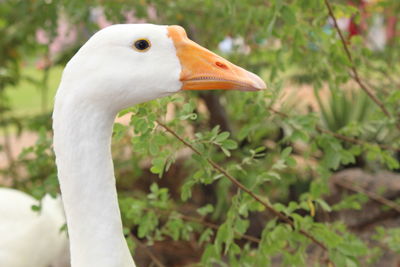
315,144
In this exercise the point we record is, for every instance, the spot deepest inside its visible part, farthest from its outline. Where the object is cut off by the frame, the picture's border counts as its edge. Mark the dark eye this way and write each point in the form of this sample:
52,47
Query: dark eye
142,45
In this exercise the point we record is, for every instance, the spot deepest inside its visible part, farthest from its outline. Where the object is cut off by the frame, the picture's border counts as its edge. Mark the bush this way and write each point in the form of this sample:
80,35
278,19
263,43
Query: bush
251,192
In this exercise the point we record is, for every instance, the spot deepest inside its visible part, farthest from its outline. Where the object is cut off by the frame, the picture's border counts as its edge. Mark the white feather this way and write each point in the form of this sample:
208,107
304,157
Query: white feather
29,238
106,75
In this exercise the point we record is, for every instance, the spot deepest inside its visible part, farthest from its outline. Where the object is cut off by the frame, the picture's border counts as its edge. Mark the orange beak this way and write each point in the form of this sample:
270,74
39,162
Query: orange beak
204,70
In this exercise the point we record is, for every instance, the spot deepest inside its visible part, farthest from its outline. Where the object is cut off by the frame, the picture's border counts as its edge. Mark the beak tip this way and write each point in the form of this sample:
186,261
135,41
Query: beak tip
261,86
257,83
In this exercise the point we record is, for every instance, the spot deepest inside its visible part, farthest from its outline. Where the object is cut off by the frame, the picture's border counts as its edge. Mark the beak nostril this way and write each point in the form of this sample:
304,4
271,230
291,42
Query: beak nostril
221,65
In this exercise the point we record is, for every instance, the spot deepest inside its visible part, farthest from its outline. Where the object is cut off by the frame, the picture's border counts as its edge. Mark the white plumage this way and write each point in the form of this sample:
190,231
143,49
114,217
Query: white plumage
109,73
29,238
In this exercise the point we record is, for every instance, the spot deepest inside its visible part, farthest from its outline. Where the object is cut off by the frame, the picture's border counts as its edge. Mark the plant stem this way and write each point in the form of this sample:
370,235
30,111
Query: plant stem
337,135
244,188
353,69
146,250
356,188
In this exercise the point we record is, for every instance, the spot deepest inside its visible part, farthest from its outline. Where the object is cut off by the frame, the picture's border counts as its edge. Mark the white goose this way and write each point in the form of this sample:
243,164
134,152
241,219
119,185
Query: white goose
118,67
29,238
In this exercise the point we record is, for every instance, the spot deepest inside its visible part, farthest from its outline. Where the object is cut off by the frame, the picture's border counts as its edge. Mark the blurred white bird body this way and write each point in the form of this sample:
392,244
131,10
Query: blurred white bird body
35,233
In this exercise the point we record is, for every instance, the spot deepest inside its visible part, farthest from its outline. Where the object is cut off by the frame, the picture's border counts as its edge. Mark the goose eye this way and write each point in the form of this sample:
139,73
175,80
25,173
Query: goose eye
142,45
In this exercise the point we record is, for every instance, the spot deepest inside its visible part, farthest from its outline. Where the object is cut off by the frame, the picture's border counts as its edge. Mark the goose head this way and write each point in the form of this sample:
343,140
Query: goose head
127,64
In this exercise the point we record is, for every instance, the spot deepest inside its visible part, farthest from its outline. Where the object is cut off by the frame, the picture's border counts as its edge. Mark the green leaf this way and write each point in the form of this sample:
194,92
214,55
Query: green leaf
119,131
36,208
205,210
226,152
222,136
173,228
186,190
298,135
286,152
140,125
325,206
158,166
153,148
225,236
229,144
288,15
241,226
210,255
147,224
206,236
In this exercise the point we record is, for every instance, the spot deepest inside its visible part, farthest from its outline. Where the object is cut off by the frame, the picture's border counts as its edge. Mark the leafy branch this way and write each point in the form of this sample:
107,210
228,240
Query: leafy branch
382,200
339,136
204,223
354,72
221,170
216,226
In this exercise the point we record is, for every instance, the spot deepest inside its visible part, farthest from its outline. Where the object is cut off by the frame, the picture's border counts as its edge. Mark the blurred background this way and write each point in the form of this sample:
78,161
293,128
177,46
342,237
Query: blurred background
317,145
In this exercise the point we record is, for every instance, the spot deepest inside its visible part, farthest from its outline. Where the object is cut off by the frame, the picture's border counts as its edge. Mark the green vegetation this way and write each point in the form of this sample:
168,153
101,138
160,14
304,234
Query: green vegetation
26,98
286,210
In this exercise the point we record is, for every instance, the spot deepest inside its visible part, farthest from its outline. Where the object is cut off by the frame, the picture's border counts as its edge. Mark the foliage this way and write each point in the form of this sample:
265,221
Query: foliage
261,151
345,109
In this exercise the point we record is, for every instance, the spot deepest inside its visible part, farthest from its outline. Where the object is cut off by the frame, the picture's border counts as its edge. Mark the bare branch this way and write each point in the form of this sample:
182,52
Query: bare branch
146,250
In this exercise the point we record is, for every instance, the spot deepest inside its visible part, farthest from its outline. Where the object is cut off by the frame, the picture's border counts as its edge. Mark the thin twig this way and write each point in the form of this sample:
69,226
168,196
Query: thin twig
205,223
339,136
216,226
12,172
354,140
244,188
356,188
148,252
353,69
